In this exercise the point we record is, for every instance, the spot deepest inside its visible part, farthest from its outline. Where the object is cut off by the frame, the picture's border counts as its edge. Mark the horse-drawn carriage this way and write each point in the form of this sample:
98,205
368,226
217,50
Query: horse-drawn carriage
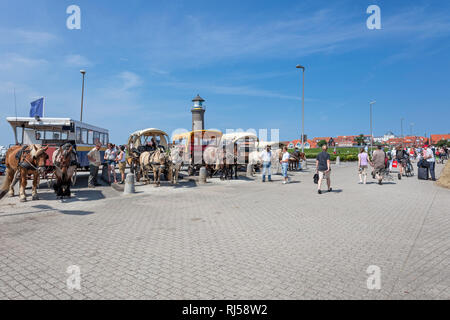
194,145
141,146
241,148
244,143
66,142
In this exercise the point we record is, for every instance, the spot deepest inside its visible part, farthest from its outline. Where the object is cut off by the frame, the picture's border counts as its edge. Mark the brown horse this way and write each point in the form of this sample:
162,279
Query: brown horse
65,161
20,162
226,161
294,160
133,161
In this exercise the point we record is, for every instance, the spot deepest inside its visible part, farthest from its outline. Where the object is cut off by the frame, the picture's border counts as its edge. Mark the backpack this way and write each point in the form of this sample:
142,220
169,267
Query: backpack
423,164
316,178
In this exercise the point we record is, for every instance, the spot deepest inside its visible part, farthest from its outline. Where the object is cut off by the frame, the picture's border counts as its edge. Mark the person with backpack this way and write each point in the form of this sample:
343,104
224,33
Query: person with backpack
401,161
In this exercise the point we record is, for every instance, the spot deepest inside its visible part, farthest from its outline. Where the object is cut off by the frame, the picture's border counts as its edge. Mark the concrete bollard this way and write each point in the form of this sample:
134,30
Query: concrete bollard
249,170
202,175
129,184
338,160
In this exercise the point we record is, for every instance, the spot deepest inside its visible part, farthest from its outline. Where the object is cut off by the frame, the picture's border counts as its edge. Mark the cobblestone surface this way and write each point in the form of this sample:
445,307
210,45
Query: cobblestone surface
231,240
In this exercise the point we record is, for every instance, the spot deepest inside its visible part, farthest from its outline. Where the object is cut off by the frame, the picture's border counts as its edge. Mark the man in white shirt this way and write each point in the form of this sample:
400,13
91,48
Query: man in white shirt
94,164
266,158
429,156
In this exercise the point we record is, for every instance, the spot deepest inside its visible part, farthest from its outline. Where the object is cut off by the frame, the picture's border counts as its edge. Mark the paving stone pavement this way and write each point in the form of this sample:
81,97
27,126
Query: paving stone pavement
231,240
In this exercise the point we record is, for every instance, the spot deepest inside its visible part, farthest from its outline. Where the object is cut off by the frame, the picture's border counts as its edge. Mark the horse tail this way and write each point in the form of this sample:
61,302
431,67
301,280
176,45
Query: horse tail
6,184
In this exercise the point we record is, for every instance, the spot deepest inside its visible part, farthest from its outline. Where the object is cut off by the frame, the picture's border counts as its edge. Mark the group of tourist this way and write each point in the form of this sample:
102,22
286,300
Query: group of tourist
114,155
266,158
380,161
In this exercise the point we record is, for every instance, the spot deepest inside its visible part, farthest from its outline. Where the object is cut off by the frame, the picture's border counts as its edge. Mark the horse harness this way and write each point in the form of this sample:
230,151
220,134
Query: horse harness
21,157
66,147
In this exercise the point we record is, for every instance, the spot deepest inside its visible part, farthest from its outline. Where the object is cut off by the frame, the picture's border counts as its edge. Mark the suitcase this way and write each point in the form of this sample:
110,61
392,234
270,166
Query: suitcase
422,173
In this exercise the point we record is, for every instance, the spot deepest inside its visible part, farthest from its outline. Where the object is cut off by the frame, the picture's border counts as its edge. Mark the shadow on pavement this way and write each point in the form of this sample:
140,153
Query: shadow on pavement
44,208
76,212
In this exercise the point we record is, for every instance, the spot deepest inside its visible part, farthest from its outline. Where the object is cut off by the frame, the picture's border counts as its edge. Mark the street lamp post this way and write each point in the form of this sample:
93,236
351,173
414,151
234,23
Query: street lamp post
83,72
303,106
371,126
401,127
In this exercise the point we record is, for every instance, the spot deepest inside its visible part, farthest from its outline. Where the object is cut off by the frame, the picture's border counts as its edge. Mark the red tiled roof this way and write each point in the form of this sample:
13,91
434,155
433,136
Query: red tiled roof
312,144
327,139
435,138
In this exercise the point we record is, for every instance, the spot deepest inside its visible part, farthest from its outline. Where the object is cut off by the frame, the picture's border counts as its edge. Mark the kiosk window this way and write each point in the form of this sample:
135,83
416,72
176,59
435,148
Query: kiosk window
40,135
84,135
56,136
90,139
96,137
79,135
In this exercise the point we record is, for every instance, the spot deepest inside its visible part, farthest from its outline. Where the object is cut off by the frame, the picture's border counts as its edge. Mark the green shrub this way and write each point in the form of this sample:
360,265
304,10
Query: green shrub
350,157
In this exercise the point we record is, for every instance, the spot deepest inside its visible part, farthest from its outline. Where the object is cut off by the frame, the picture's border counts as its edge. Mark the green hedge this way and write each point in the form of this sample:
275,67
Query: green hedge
344,157
346,154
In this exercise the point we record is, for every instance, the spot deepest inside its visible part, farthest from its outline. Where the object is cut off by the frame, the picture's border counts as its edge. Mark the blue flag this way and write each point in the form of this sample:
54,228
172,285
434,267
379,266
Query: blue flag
37,108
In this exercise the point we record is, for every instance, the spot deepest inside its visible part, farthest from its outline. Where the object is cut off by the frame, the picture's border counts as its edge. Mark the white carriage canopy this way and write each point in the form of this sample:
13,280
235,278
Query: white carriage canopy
273,144
236,136
141,137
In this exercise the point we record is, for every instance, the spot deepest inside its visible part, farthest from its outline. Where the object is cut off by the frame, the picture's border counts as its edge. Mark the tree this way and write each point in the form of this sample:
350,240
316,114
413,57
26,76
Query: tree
360,140
321,143
442,143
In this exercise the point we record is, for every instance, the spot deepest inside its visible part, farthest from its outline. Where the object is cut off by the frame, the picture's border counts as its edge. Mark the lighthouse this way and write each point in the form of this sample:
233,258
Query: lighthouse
198,114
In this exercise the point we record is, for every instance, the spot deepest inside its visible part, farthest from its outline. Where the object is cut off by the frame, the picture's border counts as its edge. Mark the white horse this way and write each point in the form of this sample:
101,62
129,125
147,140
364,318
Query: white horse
176,161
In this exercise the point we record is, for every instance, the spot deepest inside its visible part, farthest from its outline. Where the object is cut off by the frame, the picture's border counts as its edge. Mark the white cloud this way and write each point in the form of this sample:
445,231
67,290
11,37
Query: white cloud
231,90
130,80
76,60
27,37
205,41
14,61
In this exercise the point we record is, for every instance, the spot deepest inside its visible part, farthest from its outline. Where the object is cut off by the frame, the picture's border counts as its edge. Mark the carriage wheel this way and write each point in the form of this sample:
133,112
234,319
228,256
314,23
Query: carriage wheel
74,178
50,180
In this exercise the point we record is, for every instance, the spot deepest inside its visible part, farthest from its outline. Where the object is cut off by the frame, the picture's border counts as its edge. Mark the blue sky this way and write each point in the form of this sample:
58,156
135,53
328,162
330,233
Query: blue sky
146,60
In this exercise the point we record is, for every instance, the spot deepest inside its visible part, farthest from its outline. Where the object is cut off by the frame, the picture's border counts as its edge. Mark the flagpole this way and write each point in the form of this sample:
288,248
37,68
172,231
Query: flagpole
15,103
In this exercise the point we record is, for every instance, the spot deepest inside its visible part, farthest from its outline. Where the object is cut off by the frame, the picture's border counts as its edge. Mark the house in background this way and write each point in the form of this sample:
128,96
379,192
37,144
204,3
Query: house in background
435,138
329,140
384,139
309,144
344,141
410,141
388,136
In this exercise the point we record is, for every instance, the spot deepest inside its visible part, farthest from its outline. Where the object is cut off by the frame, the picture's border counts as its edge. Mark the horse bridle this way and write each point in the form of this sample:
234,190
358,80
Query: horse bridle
24,158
